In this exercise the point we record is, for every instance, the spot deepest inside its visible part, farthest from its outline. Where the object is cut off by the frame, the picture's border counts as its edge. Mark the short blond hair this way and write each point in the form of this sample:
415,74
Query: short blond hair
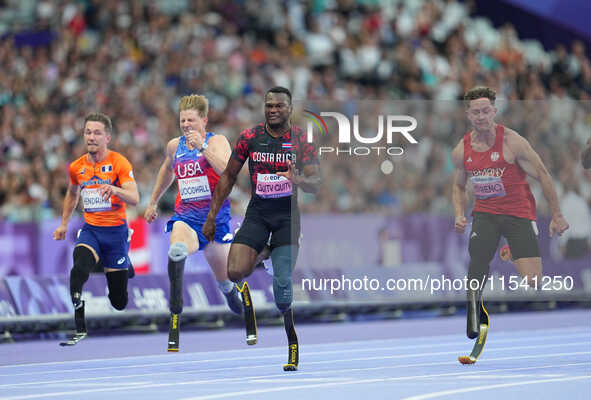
195,102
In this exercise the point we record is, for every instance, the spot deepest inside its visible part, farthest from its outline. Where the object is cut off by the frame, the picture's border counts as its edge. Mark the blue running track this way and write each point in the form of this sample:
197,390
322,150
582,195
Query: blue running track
542,355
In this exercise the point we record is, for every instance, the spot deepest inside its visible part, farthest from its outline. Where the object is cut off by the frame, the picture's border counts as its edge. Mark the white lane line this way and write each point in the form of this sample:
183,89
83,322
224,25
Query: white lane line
499,338
367,381
234,394
277,356
338,372
500,376
496,386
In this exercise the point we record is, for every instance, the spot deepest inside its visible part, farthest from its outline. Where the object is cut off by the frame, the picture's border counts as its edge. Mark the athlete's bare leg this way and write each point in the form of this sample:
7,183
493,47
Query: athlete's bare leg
216,255
241,261
530,268
183,233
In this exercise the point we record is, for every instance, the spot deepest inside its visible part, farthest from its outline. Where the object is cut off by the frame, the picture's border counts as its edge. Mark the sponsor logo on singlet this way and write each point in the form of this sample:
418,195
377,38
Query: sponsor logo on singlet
258,156
272,186
194,189
487,183
498,172
96,181
188,169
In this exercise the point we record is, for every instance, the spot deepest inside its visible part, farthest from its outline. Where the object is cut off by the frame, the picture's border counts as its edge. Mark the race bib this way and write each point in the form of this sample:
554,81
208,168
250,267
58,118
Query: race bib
194,189
486,187
94,202
272,186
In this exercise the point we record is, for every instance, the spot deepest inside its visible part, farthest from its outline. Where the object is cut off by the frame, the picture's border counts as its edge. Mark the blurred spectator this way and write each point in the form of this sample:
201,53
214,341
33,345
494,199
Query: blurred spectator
134,59
575,241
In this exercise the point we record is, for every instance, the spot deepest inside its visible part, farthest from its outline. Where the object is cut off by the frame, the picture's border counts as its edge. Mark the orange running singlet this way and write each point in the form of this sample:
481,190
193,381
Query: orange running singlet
113,170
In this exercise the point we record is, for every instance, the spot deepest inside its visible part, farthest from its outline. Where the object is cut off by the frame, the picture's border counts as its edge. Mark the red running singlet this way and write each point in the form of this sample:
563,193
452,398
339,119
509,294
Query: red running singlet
499,187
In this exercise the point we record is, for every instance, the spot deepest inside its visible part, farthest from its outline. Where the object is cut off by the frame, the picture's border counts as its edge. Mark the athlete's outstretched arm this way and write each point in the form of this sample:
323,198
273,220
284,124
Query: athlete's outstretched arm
163,181
532,164
586,155
459,188
218,153
70,203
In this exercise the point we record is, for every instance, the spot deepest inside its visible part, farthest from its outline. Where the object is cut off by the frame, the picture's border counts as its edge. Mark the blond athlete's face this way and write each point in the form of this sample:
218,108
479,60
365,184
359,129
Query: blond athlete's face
190,120
96,137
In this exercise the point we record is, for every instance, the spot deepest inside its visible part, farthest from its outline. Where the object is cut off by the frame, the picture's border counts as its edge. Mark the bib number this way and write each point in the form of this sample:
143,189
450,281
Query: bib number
487,187
270,186
94,202
194,189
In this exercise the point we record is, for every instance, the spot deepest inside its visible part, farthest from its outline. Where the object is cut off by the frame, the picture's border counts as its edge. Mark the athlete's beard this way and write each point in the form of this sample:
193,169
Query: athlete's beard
279,127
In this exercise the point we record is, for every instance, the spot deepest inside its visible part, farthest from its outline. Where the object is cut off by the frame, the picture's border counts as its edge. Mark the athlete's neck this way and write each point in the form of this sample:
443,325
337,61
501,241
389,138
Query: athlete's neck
98,157
485,136
279,130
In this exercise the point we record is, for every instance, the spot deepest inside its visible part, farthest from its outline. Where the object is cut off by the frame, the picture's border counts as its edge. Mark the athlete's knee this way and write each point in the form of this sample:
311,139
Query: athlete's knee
119,301
84,262
117,283
178,251
235,272
282,290
283,261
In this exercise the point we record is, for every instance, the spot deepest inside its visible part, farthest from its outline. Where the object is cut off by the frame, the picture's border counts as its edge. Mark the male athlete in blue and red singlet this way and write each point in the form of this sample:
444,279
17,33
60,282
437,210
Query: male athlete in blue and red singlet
497,160
196,159
276,151
105,181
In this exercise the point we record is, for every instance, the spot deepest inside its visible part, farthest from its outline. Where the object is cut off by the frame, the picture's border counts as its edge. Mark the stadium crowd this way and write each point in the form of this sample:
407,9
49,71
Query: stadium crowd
134,59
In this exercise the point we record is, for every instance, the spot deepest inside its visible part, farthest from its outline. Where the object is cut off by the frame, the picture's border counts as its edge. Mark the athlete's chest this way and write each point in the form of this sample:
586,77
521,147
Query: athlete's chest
102,174
190,163
265,149
481,156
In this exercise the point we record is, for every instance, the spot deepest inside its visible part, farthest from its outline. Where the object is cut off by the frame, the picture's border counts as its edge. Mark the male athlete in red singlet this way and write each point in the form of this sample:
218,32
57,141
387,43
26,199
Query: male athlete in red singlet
497,160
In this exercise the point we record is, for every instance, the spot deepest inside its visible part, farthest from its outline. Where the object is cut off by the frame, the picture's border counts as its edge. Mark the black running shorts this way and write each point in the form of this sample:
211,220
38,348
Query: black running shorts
487,229
283,226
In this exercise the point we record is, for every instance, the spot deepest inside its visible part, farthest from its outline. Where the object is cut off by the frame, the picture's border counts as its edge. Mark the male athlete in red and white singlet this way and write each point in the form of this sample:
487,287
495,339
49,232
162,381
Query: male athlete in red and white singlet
497,160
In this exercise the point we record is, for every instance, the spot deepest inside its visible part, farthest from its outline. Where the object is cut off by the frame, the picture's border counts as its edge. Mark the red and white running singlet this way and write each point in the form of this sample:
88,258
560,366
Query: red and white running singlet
499,187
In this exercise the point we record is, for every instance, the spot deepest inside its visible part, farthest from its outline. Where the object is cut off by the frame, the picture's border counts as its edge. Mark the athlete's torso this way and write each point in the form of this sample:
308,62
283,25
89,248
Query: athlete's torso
268,155
114,170
499,186
197,181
